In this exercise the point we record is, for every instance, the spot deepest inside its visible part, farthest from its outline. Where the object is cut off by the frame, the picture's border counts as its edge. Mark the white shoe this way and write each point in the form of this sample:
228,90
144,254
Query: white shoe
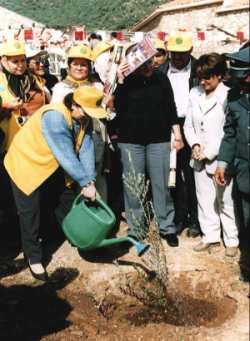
37,270
204,246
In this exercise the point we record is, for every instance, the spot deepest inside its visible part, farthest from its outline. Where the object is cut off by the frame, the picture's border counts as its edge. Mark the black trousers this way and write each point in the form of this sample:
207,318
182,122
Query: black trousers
114,182
184,194
31,211
242,201
9,224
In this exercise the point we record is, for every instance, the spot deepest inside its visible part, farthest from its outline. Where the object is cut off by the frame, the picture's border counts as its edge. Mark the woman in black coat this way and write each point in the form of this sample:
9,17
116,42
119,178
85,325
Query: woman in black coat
146,115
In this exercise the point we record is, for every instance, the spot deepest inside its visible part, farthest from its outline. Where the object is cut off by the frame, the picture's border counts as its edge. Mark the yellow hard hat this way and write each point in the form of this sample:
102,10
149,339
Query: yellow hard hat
90,99
101,47
179,42
159,44
12,48
80,51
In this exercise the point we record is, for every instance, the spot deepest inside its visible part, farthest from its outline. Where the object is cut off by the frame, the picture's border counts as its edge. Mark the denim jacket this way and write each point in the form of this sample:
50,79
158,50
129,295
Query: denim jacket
80,168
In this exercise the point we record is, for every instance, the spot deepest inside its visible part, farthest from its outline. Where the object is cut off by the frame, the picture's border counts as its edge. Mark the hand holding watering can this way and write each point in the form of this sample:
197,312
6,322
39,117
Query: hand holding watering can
89,191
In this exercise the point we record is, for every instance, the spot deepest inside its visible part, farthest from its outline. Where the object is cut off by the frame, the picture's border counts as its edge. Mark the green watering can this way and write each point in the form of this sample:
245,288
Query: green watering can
88,224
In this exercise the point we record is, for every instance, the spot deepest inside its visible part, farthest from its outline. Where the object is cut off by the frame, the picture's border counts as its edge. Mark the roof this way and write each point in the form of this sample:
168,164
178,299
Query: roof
233,5
181,2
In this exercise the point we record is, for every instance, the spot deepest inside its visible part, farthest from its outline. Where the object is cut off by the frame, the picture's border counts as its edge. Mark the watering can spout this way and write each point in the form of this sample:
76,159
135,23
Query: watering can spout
140,247
87,226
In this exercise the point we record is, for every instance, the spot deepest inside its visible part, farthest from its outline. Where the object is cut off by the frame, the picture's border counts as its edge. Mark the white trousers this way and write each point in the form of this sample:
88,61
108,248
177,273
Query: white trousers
215,209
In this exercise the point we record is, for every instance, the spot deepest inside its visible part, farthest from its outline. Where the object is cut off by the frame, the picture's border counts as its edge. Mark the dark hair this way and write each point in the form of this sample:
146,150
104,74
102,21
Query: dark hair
95,36
63,73
212,64
68,100
162,52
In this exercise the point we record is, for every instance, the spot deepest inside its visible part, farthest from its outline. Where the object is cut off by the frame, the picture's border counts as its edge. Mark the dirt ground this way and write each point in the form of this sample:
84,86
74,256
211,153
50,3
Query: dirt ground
83,300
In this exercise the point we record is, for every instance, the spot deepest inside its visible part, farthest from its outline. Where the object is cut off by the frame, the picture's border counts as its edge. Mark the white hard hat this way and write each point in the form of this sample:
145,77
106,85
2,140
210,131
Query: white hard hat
33,52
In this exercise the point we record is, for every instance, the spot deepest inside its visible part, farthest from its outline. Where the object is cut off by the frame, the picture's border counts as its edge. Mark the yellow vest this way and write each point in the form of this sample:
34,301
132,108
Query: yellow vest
29,160
10,126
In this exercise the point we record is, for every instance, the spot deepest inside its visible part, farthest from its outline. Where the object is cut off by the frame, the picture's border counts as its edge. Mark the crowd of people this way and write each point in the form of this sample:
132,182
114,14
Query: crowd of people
62,137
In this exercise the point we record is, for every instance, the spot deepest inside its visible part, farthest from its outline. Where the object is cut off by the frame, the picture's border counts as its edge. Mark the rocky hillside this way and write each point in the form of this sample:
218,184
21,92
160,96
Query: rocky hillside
94,14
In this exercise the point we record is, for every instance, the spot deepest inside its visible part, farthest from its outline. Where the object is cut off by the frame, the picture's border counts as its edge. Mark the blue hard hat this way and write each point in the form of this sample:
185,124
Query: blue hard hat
239,63
240,56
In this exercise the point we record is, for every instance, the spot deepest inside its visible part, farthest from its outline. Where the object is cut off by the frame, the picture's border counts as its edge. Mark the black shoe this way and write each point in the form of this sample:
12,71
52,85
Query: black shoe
180,227
193,232
172,239
41,275
244,276
9,251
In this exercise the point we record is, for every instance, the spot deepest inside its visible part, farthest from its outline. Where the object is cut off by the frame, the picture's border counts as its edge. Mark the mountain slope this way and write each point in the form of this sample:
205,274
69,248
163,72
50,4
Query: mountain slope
94,14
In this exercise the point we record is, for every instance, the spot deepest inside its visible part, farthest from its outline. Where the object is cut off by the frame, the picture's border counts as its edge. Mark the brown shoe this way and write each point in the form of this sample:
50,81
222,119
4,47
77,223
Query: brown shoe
204,246
231,251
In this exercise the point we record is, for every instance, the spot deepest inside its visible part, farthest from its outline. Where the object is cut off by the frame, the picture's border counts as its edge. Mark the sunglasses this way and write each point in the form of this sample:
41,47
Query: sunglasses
36,61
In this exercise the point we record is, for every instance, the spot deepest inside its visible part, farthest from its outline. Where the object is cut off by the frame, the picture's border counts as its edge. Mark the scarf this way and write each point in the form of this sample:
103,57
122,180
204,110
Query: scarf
74,84
21,85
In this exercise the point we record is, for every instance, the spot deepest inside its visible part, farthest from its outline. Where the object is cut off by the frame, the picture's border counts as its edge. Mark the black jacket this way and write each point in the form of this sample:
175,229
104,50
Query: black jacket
145,109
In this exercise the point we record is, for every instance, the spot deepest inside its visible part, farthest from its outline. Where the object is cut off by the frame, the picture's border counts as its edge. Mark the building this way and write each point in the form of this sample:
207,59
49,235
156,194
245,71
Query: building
216,25
11,25
9,18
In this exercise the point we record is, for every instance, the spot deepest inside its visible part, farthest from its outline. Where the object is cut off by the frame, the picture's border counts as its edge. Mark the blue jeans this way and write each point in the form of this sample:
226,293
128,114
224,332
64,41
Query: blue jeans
153,160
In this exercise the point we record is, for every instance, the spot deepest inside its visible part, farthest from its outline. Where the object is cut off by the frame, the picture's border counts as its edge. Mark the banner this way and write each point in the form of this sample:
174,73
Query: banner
28,34
79,34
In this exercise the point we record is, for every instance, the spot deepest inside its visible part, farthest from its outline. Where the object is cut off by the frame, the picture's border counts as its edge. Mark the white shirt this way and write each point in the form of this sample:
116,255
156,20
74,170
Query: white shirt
102,65
61,89
206,102
179,80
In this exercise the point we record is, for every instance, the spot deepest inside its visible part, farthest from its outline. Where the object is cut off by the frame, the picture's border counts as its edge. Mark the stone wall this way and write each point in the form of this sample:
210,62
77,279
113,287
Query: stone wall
201,18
